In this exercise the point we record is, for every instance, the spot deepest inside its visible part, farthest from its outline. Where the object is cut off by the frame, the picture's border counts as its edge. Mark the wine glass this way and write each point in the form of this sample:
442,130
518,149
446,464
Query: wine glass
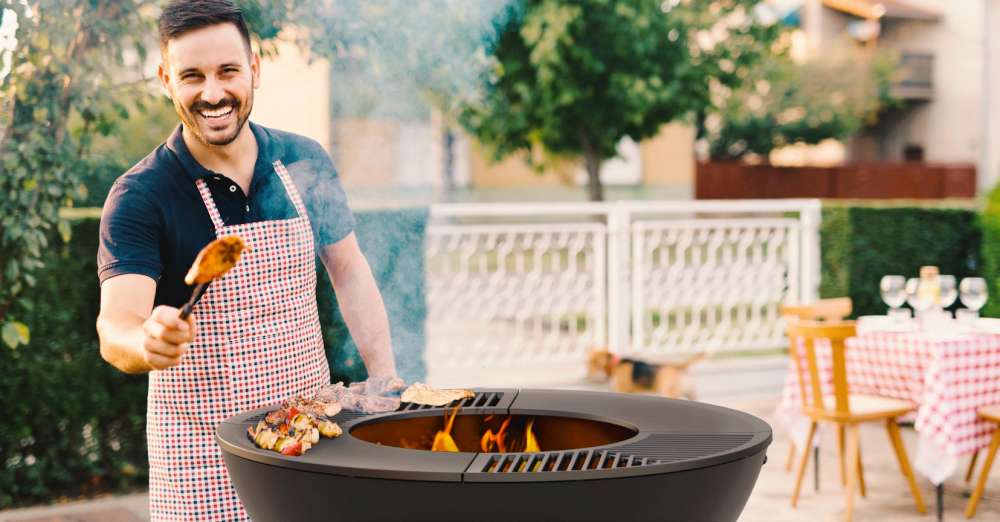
893,288
914,297
973,293
949,290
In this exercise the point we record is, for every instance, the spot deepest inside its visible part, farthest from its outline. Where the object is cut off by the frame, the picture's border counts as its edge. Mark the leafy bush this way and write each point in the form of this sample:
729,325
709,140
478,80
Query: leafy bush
862,244
74,425
989,222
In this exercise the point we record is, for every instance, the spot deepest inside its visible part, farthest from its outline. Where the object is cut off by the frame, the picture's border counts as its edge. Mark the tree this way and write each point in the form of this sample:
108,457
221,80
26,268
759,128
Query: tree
62,89
783,102
573,79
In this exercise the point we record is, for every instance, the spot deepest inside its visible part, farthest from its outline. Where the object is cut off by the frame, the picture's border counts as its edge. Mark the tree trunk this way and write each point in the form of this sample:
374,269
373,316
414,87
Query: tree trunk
592,162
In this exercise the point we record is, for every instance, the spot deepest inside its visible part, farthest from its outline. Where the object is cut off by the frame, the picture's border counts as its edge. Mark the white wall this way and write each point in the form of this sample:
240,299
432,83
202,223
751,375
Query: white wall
294,94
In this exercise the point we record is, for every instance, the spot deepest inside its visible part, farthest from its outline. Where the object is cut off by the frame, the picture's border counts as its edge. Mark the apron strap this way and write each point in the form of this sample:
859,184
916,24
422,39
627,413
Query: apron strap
290,189
213,211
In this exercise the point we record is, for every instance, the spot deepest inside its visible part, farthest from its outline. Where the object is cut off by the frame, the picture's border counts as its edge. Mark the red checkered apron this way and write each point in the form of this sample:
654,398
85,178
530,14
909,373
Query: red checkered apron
258,342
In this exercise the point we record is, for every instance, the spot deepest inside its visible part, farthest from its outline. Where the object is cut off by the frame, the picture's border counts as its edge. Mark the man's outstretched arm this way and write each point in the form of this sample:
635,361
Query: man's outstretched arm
361,304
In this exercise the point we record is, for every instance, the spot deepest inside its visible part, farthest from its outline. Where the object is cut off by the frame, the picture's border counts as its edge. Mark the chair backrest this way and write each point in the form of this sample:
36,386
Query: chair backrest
807,332
832,309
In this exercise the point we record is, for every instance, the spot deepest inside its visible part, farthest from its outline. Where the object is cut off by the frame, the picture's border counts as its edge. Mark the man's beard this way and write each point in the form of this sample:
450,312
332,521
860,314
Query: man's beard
190,118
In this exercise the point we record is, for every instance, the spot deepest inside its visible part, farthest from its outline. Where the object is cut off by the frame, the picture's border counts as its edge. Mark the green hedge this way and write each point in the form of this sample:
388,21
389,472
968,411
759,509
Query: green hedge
73,425
989,223
862,244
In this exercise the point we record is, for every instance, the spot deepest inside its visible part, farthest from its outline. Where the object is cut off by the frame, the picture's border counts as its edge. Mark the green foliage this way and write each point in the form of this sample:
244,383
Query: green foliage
783,102
75,425
860,245
62,90
573,79
989,222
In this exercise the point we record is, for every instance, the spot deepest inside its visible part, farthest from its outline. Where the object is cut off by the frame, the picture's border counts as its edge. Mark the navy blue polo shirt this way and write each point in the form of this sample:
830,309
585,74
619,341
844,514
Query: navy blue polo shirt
154,221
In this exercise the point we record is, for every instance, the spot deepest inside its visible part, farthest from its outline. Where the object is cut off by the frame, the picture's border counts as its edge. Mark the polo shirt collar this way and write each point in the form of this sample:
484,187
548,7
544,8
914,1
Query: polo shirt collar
269,148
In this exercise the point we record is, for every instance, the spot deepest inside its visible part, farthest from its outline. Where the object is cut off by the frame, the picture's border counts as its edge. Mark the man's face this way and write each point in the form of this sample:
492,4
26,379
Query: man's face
210,78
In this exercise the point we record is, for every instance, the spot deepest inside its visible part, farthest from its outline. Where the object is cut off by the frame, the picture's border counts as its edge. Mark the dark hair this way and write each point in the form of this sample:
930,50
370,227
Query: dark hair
182,16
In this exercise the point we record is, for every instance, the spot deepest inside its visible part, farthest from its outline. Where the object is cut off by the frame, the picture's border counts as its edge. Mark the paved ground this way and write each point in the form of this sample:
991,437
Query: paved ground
753,389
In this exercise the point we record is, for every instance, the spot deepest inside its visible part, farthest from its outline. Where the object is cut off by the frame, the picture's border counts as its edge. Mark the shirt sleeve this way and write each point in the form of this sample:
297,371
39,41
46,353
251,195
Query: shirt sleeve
131,225
323,195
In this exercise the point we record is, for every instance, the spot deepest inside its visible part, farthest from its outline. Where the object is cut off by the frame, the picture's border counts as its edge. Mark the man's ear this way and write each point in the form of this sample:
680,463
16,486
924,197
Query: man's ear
164,76
255,69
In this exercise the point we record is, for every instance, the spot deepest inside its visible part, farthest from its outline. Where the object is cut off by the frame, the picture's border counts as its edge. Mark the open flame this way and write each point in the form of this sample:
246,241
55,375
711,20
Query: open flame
504,439
443,440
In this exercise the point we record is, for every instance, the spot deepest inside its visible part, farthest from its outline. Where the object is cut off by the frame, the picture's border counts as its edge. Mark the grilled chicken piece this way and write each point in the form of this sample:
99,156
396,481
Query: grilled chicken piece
215,260
314,407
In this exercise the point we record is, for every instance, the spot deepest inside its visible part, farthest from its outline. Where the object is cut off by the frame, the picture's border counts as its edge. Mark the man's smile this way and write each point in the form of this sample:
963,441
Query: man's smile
216,113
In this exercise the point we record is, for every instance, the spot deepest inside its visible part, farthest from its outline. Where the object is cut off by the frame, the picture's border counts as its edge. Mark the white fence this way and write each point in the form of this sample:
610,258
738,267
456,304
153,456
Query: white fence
530,287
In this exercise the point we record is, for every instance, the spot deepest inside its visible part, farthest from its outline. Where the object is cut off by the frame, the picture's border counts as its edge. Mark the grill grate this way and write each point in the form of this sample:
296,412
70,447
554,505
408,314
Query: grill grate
479,400
673,447
563,461
658,448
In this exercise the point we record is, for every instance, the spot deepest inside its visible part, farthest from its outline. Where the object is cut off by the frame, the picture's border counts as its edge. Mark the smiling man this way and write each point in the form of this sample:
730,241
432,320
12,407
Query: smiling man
254,338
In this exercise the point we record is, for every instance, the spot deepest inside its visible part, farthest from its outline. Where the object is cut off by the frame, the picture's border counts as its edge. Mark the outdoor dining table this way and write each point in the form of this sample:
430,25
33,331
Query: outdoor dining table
948,371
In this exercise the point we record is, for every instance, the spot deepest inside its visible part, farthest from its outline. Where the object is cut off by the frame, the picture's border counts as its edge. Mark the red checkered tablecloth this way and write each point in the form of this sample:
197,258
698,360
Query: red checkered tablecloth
948,377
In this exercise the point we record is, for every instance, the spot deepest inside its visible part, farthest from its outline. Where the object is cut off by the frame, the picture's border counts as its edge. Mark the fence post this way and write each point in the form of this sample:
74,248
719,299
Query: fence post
618,231
811,216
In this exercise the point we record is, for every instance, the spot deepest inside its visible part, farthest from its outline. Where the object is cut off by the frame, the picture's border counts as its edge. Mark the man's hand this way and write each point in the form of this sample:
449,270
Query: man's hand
166,337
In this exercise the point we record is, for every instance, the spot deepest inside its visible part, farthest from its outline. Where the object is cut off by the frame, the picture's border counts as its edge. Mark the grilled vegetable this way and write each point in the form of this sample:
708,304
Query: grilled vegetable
329,429
302,422
292,448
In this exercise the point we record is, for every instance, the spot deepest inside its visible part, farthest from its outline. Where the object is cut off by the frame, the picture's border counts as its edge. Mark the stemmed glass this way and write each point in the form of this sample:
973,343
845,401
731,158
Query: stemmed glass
949,290
913,296
973,293
893,288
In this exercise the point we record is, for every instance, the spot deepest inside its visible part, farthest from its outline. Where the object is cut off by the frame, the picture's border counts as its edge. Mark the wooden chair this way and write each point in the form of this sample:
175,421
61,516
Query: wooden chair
992,414
844,409
830,309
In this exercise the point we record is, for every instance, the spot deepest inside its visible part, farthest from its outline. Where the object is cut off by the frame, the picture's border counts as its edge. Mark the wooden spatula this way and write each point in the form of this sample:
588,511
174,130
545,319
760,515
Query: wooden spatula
217,258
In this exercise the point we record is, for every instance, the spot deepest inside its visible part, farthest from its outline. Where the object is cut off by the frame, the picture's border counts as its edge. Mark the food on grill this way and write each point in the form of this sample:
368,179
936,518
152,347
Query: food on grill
314,407
420,393
215,260
291,431
354,400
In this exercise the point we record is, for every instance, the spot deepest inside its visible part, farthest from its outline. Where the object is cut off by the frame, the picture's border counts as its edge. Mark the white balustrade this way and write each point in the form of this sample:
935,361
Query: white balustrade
538,285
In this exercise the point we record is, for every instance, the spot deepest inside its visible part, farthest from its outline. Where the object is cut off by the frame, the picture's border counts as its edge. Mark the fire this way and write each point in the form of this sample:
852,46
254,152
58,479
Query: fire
504,439
530,441
495,442
442,439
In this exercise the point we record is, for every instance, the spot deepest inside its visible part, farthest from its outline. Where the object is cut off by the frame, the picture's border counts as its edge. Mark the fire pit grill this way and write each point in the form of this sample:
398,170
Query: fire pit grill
655,459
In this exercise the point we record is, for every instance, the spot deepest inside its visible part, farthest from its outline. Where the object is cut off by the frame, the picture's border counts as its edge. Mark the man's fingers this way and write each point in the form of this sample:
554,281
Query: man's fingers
170,317
165,349
167,331
160,362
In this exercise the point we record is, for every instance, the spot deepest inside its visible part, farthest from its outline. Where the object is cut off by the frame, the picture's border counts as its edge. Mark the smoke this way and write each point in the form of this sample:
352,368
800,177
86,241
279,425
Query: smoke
400,58
400,69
